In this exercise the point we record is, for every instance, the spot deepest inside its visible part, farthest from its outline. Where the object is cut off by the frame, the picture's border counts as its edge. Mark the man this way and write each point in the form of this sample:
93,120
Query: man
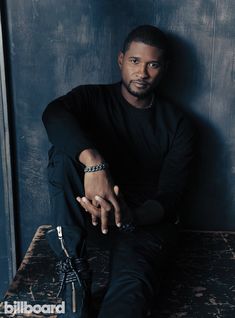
120,158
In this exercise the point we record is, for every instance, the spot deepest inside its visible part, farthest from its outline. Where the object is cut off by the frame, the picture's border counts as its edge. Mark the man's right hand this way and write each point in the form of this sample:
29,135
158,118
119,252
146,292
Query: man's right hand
100,198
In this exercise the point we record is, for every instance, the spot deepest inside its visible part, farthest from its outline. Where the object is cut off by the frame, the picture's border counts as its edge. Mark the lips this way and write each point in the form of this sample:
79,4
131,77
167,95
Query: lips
140,84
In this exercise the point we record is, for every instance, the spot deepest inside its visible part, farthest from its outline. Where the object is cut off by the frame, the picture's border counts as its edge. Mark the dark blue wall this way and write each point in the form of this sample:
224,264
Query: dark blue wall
56,45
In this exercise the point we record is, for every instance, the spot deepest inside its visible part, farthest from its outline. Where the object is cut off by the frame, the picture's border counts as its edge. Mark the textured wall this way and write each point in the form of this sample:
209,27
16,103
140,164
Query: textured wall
58,44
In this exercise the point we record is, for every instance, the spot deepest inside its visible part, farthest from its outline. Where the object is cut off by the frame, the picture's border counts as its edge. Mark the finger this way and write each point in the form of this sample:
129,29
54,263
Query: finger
78,199
95,203
82,203
116,190
89,207
104,221
117,212
94,220
103,203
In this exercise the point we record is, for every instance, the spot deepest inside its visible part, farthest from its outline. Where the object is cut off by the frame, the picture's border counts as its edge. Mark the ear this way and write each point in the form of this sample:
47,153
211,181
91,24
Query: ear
120,59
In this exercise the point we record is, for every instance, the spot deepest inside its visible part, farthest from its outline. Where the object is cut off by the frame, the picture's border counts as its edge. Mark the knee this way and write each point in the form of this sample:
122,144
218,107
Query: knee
61,167
56,156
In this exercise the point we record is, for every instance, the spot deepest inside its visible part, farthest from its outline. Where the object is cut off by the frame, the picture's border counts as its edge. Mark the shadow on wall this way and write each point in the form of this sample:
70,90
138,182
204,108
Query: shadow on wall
208,200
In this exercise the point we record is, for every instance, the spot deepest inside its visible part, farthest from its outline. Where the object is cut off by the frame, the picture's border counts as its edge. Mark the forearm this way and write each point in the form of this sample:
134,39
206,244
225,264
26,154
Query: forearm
90,157
64,130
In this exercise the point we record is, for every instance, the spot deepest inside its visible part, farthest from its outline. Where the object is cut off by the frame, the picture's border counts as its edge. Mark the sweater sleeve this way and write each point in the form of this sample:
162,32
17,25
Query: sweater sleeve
65,119
175,170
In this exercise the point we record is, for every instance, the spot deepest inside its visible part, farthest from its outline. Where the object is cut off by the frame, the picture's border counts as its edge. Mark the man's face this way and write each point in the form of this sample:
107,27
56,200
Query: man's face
141,68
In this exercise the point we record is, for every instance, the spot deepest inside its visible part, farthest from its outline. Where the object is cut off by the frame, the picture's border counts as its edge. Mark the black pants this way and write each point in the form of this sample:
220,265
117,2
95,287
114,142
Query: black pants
137,258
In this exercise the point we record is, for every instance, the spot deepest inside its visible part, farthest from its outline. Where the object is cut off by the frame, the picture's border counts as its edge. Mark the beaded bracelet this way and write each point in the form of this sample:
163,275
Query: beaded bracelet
99,167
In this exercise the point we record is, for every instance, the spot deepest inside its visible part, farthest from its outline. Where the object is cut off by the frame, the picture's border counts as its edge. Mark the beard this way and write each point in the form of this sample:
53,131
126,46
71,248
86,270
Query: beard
141,93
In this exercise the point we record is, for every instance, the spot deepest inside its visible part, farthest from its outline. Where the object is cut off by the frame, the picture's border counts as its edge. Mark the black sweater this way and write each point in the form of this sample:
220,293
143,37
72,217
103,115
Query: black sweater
148,150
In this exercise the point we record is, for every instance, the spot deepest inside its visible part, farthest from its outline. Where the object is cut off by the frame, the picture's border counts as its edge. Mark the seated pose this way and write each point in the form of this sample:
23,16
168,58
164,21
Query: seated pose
119,161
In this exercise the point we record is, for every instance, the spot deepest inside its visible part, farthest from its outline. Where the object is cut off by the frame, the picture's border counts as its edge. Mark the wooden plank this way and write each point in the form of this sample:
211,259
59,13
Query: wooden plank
199,280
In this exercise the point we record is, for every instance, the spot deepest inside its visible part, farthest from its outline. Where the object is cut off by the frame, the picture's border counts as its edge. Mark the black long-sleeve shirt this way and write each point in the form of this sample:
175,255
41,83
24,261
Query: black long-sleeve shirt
148,150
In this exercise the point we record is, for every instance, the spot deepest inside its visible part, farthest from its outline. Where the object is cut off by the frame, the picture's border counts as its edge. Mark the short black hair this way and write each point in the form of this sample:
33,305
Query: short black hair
147,34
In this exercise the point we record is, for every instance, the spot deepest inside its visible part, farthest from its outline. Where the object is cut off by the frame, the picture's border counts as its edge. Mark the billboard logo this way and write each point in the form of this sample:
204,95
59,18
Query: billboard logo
22,307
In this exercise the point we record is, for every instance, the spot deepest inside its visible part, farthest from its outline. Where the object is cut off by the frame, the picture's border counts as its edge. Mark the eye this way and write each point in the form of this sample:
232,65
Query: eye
134,60
154,65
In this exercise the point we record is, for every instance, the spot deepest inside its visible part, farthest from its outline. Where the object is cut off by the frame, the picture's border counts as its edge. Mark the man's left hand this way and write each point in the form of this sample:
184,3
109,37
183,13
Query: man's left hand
100,207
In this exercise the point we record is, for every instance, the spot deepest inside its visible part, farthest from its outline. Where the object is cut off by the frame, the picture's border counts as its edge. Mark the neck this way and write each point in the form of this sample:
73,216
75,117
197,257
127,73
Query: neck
138,102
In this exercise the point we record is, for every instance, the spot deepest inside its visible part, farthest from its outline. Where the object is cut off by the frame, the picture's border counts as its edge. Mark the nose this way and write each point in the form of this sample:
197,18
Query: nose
142,71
